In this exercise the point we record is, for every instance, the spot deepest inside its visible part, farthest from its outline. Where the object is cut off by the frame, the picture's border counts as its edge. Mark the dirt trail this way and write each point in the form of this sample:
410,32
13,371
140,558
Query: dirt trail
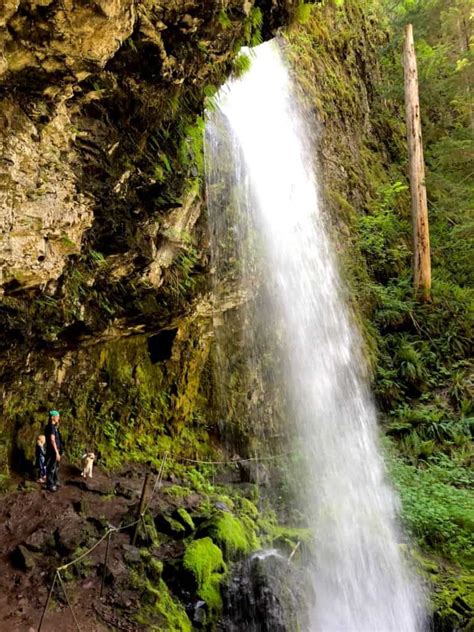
40,531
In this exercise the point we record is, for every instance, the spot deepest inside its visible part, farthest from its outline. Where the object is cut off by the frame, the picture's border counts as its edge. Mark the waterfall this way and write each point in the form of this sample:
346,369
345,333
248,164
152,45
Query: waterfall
263,200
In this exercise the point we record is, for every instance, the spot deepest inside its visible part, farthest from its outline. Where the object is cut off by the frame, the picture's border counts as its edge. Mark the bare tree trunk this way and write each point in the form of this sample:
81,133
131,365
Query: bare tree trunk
419,205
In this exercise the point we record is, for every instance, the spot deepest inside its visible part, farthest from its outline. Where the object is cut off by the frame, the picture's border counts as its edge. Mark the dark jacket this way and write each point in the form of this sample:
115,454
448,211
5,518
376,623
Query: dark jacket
53,430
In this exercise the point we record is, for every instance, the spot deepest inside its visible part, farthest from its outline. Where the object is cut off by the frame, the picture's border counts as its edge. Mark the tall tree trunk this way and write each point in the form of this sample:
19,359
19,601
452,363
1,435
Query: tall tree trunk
419,206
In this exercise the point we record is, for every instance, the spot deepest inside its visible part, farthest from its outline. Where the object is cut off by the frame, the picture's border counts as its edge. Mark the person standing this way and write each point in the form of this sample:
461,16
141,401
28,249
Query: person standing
54,450
40,462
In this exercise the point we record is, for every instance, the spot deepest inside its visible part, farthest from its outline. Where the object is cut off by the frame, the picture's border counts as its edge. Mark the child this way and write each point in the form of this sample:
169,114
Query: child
41,458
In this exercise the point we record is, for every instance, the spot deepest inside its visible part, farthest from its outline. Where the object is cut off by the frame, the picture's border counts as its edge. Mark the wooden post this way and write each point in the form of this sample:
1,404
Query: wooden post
141,504
419,205
102,583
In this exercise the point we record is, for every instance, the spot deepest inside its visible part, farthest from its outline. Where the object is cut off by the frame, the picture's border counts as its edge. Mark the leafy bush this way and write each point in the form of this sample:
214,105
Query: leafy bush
438,514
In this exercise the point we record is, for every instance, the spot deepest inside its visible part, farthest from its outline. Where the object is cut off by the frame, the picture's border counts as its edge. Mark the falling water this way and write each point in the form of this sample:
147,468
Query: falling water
256,145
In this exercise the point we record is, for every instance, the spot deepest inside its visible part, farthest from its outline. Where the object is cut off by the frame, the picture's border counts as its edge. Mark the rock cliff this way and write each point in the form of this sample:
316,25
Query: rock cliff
101,136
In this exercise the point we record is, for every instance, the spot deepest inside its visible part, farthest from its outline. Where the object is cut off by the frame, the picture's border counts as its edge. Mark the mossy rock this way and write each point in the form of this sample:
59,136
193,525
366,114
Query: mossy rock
162,612
178,524
236,535
205,561
185,518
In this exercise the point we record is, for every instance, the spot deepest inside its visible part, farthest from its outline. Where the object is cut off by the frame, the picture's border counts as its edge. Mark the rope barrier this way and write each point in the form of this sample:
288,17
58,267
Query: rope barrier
235,461
157,481
50,593
67,600
140,518
85,554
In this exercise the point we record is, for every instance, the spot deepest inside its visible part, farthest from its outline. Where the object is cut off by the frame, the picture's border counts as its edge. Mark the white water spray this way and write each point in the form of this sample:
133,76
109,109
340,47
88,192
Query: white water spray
360,580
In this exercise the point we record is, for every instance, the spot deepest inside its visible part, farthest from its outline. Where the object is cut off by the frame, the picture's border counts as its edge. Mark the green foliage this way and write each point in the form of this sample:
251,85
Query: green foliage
179,278
383,235
302,13
424,347
253,27
198,481
224,20
419,353
241,65
204,560
451,590
439,514
445,69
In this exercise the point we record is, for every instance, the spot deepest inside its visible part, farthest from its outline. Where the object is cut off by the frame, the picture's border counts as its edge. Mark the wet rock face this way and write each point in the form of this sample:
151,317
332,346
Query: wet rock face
264,594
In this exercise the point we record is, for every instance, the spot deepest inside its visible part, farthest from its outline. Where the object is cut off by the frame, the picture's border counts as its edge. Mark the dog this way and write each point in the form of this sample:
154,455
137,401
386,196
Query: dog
87,462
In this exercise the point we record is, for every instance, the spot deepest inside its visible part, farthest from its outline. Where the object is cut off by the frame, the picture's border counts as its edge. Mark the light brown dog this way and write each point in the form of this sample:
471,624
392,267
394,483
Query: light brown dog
87,462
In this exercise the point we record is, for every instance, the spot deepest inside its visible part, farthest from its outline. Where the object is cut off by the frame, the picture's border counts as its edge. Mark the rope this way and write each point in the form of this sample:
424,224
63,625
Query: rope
234,461
67,599
111,530
47,601
89,551
157,481
86,553
156,486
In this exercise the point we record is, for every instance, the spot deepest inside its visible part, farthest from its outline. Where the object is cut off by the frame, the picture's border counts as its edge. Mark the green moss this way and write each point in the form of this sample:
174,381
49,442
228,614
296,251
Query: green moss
302,13
224,20
204,560
287,536
175,526
191,148
186,518
248,508
232,534
451,590
176,492
162,612
154,569
227,500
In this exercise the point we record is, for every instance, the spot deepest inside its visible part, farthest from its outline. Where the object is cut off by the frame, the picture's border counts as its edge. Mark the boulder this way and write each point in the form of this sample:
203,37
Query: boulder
71,534
23,559
267,592
126,491
40,540
116,571
131,554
